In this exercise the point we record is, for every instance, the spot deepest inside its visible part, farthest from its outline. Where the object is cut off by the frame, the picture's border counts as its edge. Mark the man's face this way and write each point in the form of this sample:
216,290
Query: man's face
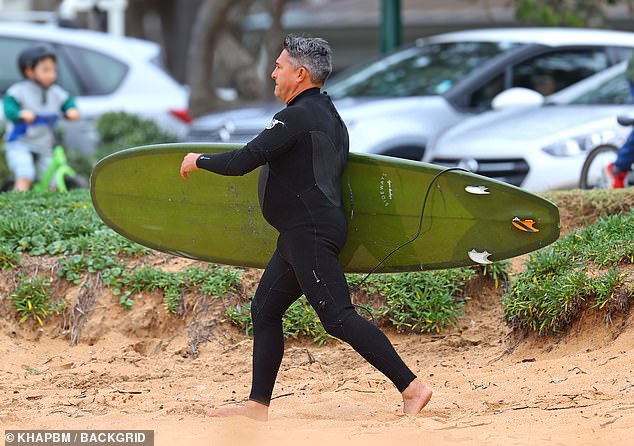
45,72
285,77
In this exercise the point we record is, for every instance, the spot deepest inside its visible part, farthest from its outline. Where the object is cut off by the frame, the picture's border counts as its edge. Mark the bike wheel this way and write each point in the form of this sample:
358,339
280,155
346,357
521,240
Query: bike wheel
594,173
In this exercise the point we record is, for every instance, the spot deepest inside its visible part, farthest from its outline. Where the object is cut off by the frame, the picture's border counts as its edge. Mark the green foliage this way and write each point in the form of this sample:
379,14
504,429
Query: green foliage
67,226
240,315
81,163
496,271
32,300
559,283
423,301
8,258
299,320
576,13
214,281
120,130
4,169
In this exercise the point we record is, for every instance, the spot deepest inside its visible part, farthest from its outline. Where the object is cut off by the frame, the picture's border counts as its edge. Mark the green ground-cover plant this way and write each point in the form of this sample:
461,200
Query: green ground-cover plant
8,257
67,226
120,130
32,300
4,169
420,302
213,281
578,271
300,320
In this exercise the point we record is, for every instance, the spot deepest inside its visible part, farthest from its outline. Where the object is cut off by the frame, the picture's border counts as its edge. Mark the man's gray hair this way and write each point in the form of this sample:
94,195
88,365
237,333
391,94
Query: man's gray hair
312,53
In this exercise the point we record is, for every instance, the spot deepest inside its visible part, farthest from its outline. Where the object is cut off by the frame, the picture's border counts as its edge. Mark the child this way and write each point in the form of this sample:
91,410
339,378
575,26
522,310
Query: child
29,106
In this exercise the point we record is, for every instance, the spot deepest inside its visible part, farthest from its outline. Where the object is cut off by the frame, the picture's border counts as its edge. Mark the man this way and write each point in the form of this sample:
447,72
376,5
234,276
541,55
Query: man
303,152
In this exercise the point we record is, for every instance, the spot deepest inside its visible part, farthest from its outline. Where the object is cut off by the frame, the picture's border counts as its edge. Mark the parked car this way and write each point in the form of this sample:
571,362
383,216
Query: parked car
104,73
540,148
396,103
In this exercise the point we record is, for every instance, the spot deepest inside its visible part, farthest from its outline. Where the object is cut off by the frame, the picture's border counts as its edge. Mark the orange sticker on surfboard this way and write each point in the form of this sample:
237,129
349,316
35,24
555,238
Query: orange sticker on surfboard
526,225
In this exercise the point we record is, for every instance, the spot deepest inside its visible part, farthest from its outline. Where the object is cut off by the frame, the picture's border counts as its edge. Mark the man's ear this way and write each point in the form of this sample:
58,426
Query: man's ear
28,72
302,73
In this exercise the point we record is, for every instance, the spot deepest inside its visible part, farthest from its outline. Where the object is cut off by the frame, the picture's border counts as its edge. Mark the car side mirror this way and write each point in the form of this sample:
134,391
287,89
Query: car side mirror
517,97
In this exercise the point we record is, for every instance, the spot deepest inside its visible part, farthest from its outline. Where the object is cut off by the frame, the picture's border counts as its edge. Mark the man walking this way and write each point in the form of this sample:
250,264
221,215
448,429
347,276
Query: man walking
303,152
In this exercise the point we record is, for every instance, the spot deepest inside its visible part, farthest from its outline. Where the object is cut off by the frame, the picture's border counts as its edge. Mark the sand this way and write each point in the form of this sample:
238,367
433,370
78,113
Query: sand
134,370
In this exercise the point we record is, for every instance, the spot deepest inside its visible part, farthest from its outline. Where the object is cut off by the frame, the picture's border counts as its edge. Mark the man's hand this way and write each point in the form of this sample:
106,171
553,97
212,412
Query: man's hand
189,164
27,116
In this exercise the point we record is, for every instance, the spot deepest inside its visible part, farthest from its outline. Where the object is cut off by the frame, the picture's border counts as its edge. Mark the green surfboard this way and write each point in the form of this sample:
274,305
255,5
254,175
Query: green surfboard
468,218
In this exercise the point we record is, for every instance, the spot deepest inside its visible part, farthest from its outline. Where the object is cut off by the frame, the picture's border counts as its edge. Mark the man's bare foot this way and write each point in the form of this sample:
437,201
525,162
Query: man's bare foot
415,397
251,409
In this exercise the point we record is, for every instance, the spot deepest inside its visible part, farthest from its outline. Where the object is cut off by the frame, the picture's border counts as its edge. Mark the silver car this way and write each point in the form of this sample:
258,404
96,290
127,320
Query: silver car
395,104
540,148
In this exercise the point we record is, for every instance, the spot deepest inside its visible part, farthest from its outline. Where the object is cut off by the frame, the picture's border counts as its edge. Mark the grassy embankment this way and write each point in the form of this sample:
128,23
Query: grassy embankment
587,269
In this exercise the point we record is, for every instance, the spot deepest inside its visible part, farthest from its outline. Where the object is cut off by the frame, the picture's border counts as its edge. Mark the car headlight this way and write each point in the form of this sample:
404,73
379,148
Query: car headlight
579,145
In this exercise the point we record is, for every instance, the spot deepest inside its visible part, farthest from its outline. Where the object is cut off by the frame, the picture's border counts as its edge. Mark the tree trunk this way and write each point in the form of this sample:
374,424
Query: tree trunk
134,16
45,5
206,31
178,37
273,40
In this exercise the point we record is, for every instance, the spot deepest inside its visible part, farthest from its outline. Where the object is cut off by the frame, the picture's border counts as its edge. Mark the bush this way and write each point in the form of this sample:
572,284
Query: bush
299,320
424,302
577,272
120,130
32,300
4,169
8,257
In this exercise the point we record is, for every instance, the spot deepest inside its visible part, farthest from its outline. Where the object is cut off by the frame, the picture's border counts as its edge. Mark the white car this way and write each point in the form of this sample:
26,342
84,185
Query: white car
104,73
395,104
540,148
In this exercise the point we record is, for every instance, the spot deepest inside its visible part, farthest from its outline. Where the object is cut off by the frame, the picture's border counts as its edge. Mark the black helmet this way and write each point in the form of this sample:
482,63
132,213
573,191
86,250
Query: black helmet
30,56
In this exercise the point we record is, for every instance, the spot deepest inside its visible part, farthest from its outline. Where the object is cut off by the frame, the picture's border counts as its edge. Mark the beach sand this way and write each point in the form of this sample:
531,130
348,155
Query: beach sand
135,370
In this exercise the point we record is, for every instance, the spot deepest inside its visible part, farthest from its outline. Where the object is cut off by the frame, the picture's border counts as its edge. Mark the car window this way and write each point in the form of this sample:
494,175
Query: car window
549,73
614,91
428,69
101,74
10,48
483,96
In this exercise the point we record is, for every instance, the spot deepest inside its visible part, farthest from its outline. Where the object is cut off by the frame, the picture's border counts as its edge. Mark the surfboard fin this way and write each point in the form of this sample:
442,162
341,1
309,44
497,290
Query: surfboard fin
480,257
477,190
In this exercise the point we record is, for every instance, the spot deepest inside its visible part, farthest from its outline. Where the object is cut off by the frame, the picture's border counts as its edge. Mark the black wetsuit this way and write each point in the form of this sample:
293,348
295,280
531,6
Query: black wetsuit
303,152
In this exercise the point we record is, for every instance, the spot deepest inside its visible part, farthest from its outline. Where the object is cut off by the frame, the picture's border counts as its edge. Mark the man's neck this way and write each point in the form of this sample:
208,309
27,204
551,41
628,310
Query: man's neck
300,90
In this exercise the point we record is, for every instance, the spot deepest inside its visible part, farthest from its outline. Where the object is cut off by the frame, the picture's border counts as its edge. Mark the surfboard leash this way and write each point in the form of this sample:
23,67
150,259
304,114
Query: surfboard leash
418,232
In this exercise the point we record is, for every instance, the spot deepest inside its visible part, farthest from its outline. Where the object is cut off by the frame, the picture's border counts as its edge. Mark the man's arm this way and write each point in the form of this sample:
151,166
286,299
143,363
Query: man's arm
278,138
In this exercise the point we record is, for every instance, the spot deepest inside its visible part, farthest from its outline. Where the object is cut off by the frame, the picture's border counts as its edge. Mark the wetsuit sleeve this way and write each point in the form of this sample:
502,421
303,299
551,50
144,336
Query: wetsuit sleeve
11,108
274,141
